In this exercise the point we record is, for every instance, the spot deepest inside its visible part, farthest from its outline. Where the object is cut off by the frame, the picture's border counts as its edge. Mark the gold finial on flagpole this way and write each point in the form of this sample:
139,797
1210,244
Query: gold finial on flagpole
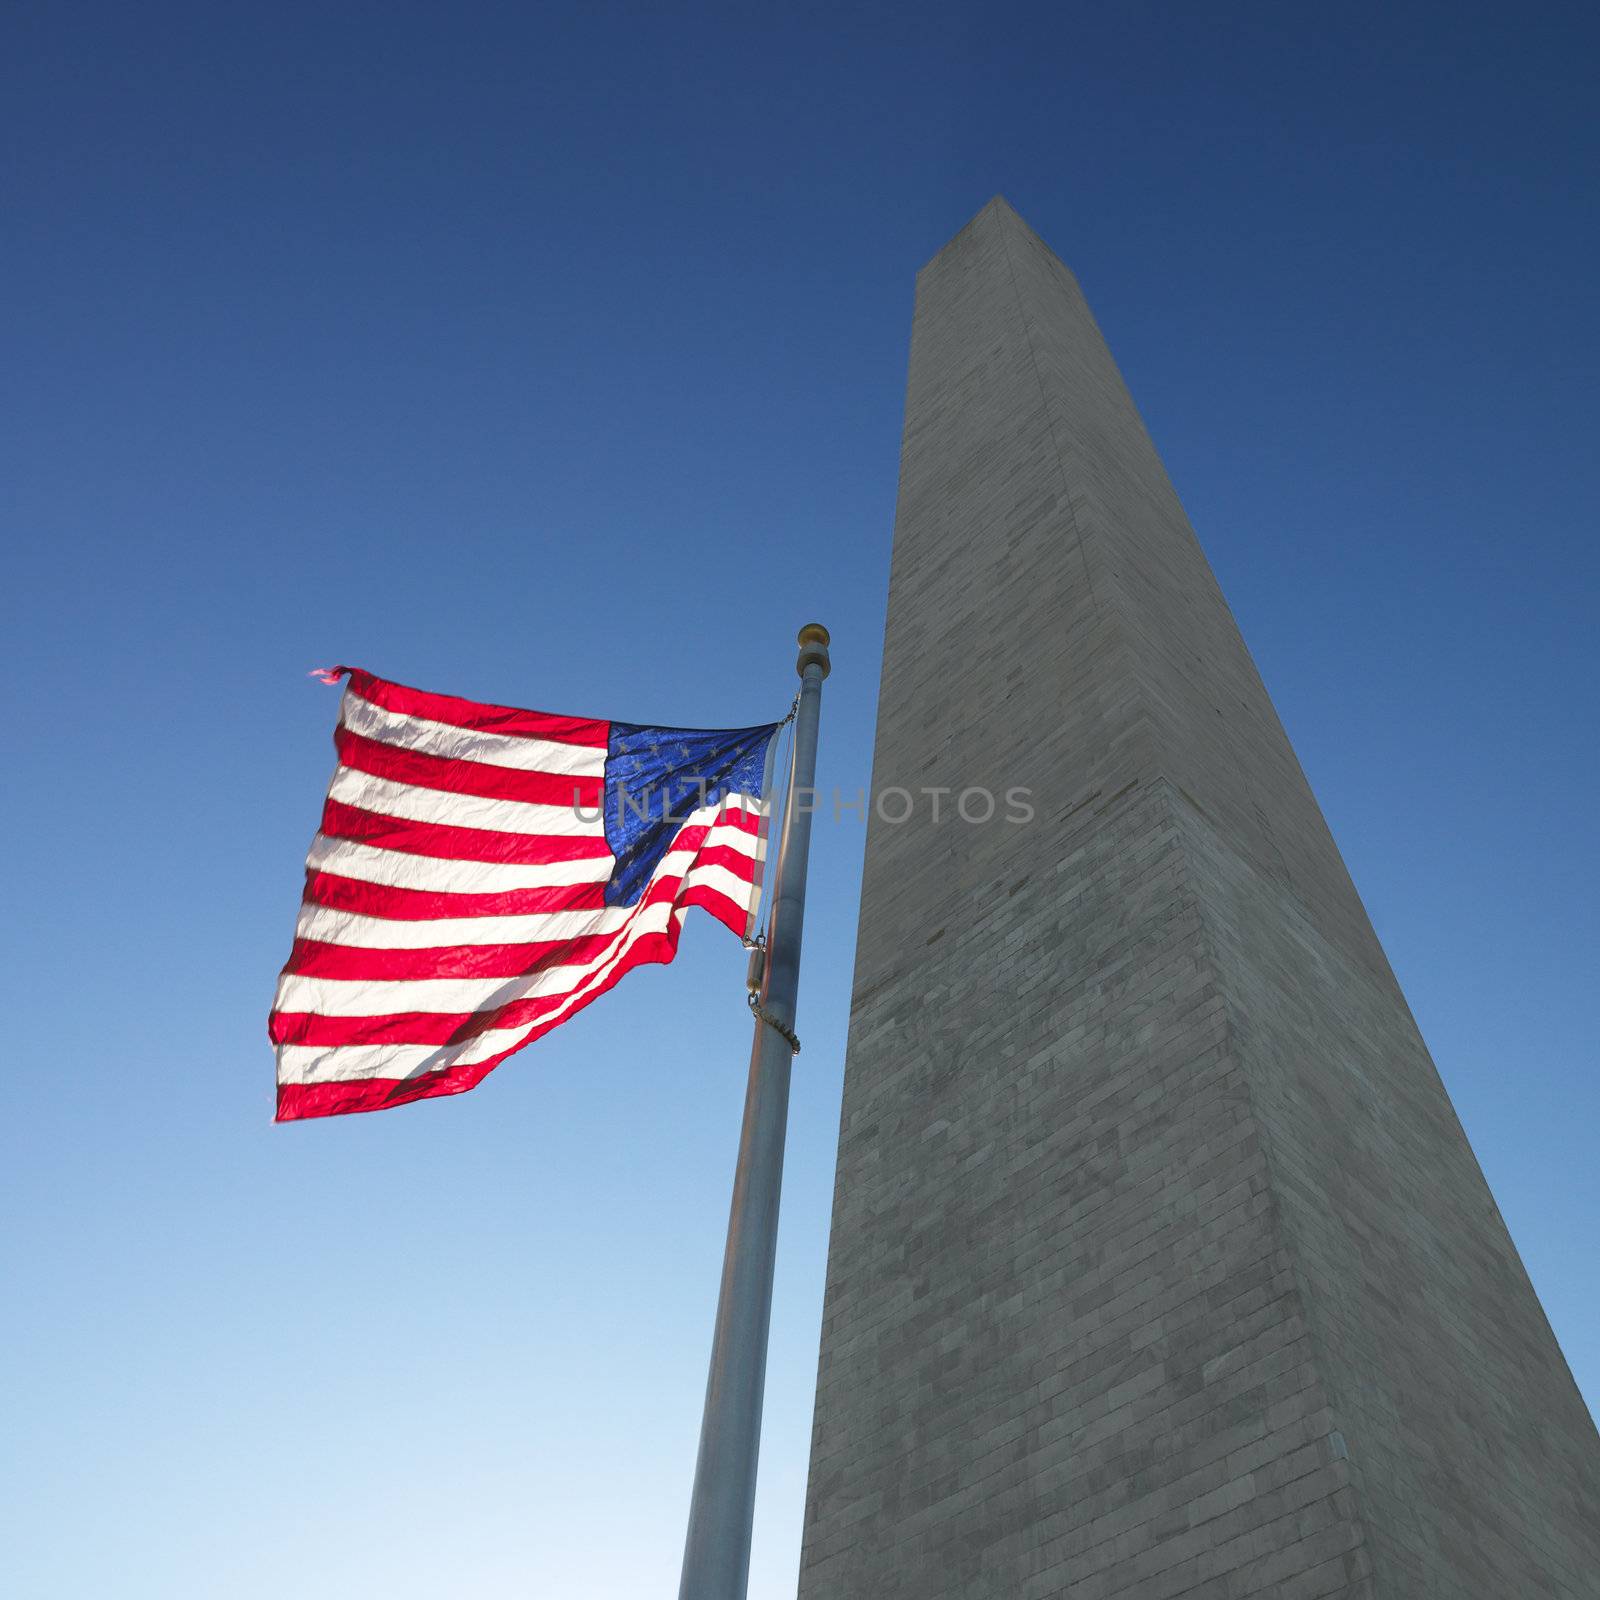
813,641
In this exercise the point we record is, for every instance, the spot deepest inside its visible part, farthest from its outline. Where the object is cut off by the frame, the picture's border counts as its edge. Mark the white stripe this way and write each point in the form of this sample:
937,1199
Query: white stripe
415,804
463,744
313,1064
346,858
710,876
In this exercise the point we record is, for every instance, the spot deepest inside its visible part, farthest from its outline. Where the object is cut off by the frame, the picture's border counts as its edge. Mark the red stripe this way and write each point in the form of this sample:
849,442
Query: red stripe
424,905
478,716
737,817
454,776
449,843
400,1027
724,855
729,913
408,1027
313,958
297,1101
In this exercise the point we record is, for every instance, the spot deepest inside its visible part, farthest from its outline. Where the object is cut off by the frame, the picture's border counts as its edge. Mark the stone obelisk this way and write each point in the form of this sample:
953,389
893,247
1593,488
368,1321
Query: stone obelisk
1160,1264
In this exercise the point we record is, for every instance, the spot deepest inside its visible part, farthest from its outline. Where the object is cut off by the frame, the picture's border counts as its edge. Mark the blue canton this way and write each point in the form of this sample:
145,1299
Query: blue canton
656,777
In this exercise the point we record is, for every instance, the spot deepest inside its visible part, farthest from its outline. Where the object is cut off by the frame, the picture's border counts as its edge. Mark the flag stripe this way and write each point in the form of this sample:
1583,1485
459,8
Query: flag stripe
326,925
446,843
518,752
298,1102
363,964
380,900
478,717
454,775
348,926
414,804
392,868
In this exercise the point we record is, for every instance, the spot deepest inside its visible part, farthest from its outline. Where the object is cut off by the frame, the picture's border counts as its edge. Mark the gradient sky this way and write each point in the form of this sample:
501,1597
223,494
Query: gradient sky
555,355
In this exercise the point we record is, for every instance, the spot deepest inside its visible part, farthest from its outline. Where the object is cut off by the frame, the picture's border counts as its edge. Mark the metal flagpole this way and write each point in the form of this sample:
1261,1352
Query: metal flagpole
716,1555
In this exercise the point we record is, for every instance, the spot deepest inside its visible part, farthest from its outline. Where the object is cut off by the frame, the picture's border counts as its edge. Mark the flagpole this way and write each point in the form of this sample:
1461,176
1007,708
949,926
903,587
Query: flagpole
716,1555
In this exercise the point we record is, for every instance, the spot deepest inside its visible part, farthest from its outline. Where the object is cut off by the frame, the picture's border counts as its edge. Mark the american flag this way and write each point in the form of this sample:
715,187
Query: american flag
482,873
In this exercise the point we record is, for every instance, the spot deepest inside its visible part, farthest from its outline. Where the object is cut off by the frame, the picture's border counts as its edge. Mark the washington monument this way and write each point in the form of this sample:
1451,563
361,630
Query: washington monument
1160,1264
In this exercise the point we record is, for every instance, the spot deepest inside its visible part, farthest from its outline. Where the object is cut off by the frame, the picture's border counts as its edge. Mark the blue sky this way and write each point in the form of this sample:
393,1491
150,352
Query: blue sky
556,356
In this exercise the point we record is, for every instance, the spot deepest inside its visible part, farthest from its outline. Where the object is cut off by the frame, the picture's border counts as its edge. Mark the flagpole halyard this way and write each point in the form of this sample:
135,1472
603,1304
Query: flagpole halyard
716,1557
